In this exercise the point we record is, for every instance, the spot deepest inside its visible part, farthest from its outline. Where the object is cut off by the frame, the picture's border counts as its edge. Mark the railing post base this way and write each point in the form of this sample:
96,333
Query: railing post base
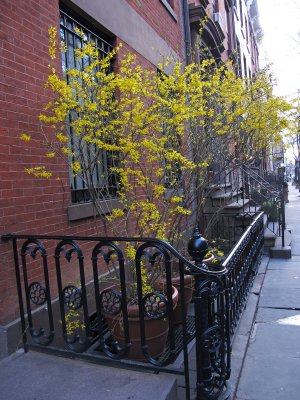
210,335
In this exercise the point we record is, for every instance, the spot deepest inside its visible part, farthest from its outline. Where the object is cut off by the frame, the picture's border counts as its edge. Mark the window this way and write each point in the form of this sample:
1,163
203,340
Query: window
173,172
104,180
241,13
246,25
169,5
245,67
215,6
228,27
239,62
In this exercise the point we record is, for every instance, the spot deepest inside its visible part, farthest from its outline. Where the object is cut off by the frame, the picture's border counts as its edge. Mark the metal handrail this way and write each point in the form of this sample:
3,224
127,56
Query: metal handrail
261,181
219,296
239,243
191,266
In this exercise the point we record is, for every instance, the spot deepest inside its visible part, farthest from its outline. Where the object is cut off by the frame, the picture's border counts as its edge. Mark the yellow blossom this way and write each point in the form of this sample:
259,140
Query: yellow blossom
25,137
62,138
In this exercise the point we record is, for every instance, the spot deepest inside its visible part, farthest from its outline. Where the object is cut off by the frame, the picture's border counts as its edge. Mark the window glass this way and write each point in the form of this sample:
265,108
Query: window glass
104,180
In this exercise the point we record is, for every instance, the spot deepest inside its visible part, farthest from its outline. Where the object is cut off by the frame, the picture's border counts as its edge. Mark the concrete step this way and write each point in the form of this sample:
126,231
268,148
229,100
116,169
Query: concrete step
226,196
237,205
248,212
270,233
269,239
282,250
35,375
224,187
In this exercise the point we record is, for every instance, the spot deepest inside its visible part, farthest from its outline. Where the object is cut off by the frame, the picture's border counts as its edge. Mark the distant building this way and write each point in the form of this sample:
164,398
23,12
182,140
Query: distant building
229,33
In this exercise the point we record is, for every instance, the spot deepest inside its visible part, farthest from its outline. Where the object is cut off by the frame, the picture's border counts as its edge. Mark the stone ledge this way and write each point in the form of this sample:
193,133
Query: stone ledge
281,252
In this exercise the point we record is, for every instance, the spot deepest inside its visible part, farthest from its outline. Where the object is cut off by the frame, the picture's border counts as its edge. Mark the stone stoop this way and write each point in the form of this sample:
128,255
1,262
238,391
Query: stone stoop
217,197
279,251
273,243
228,203
269,235
224,199
36,375
237,206
269,239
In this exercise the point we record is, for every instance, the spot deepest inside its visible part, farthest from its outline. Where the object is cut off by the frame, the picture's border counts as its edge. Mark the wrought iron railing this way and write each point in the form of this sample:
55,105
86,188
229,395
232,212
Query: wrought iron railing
241,265
269,190
251,193
79,303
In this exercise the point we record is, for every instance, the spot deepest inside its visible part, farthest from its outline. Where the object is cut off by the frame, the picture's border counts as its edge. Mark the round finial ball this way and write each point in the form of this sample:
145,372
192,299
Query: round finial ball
197,246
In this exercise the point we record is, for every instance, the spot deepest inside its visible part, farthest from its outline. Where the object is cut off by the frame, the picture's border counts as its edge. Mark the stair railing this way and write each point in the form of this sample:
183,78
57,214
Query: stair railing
271,194
243,183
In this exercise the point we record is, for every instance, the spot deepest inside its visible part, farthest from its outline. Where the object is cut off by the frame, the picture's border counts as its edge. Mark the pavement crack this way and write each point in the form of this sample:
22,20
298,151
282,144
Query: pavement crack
282,308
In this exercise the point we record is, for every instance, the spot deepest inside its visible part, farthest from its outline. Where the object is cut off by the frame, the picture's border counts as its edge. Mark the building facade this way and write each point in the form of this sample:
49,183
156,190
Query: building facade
226,30
30,205
149,30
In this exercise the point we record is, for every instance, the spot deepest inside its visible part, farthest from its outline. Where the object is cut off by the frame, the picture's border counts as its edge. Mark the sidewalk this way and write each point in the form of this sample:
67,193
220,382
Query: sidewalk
37,376
270,369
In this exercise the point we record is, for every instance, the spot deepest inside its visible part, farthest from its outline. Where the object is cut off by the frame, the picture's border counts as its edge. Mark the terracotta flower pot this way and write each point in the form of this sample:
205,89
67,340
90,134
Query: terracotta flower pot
188,291
188,295
156,330
208,260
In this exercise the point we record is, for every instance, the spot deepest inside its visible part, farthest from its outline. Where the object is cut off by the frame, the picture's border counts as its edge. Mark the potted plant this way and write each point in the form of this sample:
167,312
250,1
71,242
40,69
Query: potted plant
271,209
144,297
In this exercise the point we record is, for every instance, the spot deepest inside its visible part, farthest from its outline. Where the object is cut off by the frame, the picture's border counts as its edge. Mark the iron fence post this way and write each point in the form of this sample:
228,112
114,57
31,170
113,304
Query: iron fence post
197,248
282,206
209,303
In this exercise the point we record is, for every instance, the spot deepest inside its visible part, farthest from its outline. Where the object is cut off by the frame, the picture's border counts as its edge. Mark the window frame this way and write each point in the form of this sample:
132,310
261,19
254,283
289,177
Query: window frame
169,5
82,206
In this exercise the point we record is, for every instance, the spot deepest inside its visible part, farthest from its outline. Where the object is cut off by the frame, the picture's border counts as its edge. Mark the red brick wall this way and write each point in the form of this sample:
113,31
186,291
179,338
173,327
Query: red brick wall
159,18
27,204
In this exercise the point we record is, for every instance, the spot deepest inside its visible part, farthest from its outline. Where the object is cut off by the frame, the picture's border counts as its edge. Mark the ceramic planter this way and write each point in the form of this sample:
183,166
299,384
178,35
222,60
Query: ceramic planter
156,330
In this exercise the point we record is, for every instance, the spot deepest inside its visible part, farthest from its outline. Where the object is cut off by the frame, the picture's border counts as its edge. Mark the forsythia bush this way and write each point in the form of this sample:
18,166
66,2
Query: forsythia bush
160,130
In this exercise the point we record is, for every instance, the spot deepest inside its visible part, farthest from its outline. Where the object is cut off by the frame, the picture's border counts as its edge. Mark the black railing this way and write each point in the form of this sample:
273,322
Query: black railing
241,265
237,196
231,207
83,300
270,190
225,229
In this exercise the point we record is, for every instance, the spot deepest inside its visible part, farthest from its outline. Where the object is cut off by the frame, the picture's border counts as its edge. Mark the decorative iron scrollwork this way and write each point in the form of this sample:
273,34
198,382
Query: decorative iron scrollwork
111,302
37,293
213,339
155,305
72,297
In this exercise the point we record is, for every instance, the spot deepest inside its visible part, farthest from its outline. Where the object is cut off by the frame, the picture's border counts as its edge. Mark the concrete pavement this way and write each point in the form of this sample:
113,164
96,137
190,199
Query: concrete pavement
270,369
37,376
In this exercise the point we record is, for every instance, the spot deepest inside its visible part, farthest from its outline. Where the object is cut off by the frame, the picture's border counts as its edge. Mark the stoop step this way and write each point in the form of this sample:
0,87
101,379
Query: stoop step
269,238
277,251
48,377
281,252
236,206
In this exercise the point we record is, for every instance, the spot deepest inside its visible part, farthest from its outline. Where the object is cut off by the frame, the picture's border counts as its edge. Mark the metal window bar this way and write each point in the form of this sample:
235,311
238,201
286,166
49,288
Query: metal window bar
103,179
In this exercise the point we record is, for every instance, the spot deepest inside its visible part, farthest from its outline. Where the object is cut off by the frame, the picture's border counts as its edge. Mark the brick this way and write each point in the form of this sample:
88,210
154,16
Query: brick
29,205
